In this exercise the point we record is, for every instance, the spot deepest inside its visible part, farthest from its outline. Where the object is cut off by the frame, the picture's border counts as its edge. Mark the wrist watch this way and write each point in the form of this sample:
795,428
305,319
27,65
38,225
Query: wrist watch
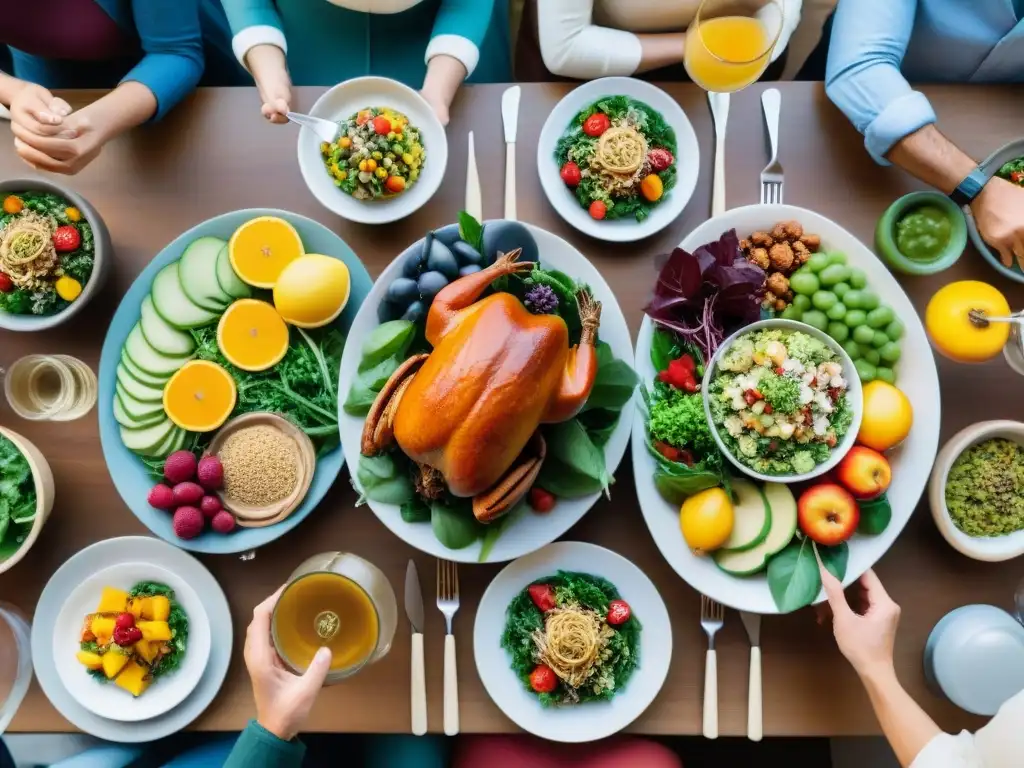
969,188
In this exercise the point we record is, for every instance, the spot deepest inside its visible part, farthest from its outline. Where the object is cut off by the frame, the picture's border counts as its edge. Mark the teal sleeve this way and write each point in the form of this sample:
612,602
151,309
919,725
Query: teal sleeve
172,42
465,18
259,748
251,13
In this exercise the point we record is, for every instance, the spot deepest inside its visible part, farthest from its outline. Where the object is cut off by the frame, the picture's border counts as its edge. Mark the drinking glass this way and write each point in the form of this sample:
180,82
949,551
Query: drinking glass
1019,602
15,662
730,42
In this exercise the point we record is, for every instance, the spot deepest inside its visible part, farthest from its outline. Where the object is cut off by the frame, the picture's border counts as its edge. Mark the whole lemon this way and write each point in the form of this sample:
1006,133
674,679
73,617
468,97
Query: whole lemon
947,319
887,418
706,520
312,290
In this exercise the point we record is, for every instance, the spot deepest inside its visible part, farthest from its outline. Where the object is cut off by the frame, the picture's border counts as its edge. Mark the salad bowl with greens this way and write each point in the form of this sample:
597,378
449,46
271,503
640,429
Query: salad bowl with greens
26,496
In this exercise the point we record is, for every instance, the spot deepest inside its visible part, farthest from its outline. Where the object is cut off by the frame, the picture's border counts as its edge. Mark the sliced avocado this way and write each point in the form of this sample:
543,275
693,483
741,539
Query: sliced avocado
782,513
752,514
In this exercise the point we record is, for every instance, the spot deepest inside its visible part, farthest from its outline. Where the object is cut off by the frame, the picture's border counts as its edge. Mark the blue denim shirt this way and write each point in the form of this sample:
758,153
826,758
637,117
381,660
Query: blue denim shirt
879,47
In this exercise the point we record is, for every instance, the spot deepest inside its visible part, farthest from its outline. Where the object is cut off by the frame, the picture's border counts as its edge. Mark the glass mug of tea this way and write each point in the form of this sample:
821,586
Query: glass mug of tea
340,601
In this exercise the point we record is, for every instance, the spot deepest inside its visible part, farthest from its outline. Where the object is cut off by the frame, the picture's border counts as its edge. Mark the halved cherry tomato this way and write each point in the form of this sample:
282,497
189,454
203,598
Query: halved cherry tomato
543,596
394,184
596,124
571,174
541,501
6,284
1017,177
381,125
618,612
543,679
598,210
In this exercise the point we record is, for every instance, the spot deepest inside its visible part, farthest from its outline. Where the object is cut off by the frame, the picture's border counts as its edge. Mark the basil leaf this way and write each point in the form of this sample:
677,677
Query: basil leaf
455,528
604,353
793,576
578,462
613,386
663,349
471,230
381,480
387,339
875,515
368,384
416,510
600,423
676,487
565,481
835,559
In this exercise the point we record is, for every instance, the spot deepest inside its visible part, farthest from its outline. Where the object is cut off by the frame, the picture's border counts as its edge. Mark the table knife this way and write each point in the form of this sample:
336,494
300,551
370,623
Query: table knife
510,117
414,610
720,112
474,198
755,725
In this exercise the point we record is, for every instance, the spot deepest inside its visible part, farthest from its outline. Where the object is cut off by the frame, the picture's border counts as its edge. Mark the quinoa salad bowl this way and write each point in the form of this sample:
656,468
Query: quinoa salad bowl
783,401
55,254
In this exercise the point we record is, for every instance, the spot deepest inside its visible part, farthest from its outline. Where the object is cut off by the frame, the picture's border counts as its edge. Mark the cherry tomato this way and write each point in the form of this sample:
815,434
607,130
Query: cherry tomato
363,117
543,596
598,210
381,125
66,239
394,184
1016,177
618,612
660,158
540,500
596,124
543,679
571,174
6,284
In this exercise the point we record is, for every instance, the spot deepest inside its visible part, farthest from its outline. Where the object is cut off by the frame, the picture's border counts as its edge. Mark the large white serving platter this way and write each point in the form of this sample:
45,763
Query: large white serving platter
528,532
916,376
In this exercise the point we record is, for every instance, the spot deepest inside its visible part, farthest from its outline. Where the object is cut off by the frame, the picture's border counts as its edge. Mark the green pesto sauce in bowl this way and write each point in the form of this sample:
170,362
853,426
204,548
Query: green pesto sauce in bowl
923,233
985,489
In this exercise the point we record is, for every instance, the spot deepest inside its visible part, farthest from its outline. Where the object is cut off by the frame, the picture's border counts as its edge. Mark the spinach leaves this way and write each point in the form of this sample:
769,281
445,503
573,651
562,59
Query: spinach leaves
384,350
17,498
793,576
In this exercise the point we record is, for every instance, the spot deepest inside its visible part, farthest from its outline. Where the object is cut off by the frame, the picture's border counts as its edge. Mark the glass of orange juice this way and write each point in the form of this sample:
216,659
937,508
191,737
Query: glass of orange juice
730,42
337,600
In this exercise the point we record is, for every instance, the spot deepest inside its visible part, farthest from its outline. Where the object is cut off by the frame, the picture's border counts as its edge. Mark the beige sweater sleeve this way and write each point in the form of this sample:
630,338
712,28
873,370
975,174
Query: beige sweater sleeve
1000,744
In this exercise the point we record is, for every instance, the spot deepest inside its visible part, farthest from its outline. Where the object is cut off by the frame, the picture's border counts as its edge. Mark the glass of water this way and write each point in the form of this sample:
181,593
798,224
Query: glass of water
15,662
1019,602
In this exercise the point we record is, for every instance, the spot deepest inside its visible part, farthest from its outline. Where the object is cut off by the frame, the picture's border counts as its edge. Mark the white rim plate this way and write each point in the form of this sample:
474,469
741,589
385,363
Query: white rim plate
106,699
528,532
592,720
562,198
343,101
916,376
81,566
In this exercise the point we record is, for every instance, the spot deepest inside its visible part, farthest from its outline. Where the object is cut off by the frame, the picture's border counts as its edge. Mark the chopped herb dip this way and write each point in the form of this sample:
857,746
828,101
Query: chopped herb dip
985,489
923,233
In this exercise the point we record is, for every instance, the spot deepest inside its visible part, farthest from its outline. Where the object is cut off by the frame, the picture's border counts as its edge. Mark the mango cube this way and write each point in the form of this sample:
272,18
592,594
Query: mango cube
113,662
137,607
155,631
159,609
90,660
134,679
103,629
112,600
147,651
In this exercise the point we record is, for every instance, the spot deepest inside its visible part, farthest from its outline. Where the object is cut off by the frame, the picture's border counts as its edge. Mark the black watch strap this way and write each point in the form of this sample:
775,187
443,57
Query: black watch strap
969,188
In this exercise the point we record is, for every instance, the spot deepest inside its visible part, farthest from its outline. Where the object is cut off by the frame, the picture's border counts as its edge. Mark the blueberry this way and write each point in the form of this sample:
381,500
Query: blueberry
403,291
441,260
416,312
430,283
466,253
413,263
469,269
387,311
505,237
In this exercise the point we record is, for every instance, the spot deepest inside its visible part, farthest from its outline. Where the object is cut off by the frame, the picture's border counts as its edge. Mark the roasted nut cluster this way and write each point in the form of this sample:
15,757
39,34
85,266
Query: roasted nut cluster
779,253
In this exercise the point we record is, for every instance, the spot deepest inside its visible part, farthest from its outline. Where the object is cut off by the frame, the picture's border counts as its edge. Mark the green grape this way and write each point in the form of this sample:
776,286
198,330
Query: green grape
837,311
792,312
858,279
855,317
865,370
806,283
840,289
879,317
869,300
834,273
852,348
872,356
816,318
837,257
802,302
885,374
862,334
895,329
838,331
890,352
853,299
817,262
824,300
879,340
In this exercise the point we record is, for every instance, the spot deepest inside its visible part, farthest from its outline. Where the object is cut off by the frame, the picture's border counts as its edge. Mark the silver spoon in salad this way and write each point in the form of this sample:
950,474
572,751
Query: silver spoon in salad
326,130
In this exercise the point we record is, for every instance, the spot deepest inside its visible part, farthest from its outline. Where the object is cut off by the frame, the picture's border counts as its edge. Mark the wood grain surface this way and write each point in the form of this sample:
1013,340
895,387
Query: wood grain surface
215,154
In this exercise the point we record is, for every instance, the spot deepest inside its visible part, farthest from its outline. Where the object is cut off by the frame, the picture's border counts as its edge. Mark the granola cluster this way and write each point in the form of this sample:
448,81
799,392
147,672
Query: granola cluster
779,253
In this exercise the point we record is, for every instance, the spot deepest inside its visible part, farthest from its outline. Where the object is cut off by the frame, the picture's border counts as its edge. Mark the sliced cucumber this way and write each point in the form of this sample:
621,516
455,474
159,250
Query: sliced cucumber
782,511
142,393
228,279
125,419
140,375
161,335
170,301
135,409
752,517
197,271
177,443
148,359
166,448
147,441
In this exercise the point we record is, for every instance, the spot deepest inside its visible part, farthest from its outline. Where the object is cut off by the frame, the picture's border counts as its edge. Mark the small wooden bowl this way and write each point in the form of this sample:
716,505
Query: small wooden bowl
43,479
257,517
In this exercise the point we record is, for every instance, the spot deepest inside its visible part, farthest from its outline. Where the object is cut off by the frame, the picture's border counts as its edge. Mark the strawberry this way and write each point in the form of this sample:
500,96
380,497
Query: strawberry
66,239
127,636
124,621
161,497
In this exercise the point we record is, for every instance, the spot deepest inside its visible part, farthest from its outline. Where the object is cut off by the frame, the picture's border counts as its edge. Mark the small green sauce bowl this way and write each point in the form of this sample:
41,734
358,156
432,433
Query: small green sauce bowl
885,234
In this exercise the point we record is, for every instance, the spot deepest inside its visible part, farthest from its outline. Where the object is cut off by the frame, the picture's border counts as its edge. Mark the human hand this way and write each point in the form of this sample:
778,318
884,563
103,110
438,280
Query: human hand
999,213
270,71
76,145
437,103
283,699
38,111
866,636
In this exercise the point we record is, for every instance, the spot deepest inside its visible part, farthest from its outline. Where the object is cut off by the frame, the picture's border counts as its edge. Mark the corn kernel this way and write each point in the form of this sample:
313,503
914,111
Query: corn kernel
73,214
381,173
344,142
371,165
407,158
341,175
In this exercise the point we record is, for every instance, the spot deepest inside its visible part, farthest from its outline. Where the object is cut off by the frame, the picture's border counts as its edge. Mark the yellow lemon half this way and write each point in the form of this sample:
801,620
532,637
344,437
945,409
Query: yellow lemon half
260,249
252,335
200,396
312,290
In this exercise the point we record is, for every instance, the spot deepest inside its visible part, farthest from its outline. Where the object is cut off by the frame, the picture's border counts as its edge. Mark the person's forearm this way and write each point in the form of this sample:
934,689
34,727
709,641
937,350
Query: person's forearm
9,86
128,105
907,727
659,51
444,76
933,158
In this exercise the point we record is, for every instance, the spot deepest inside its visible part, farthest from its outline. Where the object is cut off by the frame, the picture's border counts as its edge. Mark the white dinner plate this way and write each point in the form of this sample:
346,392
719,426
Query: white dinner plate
528,532
911,461
79,568
588,721
562,198
106,699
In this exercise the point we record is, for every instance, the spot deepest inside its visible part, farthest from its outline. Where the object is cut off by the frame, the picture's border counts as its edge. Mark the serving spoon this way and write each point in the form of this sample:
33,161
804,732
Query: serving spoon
326,130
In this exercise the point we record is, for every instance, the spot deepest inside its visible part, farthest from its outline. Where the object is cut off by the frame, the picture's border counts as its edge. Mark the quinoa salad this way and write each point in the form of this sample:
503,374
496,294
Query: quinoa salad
779,401
377,154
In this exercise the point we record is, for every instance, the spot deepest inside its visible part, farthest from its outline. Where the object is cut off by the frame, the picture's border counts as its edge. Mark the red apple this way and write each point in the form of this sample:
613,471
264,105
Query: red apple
828,514
864,472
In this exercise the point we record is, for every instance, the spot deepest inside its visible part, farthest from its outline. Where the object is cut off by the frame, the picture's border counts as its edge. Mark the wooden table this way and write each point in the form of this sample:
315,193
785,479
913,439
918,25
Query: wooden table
215,154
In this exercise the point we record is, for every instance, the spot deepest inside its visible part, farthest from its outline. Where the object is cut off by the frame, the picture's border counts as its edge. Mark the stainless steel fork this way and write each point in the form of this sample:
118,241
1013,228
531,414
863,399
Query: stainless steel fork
771,176
325,130
712,617
448,604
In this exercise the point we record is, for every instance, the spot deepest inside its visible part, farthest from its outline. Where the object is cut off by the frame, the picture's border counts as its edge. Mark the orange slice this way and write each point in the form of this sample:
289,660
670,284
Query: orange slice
252,335
200,396
261,248
312,290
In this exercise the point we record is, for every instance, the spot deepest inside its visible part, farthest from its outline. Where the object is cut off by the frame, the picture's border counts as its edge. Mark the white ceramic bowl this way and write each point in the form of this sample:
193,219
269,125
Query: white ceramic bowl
988,548
42,478
341,102
853,394
562,198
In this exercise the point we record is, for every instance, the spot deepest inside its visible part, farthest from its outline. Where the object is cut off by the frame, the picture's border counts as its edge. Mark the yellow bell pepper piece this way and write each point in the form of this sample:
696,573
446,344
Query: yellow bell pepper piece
68,288
73,214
